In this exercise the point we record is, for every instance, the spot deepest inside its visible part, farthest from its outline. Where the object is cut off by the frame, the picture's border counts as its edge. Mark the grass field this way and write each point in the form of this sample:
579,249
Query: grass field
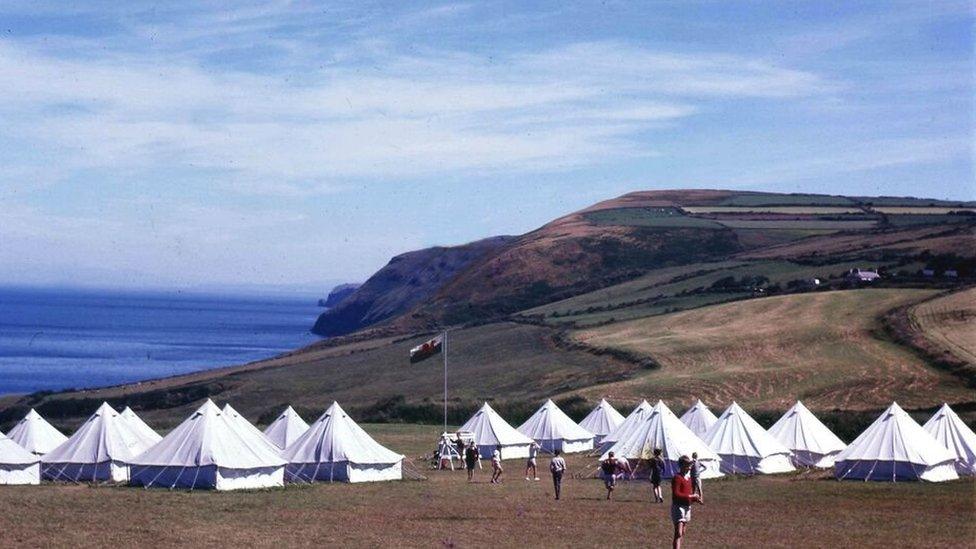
666,290
950,322
649,217
920,210
788,210
822,347
801,510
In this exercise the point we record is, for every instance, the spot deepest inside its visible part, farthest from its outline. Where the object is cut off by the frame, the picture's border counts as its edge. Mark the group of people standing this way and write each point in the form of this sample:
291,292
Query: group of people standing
686,485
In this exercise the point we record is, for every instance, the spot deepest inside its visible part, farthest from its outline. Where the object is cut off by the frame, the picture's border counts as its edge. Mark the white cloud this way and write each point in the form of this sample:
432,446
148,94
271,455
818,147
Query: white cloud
398,116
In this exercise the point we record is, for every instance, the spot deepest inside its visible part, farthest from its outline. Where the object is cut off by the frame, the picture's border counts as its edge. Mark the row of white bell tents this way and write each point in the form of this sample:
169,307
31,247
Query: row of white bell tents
661,430
220,449
213,448
798,438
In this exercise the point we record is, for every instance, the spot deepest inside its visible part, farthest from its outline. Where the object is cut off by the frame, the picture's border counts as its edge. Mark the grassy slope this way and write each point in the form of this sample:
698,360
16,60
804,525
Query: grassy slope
948,322
506,361
765,353
791,510
661,291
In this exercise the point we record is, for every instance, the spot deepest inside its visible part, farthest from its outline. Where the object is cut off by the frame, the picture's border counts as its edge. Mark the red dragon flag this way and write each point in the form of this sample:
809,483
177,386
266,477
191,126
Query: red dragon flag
427,349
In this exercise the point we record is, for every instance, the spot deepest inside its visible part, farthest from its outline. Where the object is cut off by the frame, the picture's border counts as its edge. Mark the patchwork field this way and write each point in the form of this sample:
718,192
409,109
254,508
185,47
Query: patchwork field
679,288
823,348
799,510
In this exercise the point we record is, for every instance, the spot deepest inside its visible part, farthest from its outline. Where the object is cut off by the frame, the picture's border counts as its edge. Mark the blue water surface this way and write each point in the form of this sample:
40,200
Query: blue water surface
53,339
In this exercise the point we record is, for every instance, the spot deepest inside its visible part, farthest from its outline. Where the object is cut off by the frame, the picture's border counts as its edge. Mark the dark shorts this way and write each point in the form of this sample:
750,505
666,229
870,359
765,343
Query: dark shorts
656,480
470,463
610,480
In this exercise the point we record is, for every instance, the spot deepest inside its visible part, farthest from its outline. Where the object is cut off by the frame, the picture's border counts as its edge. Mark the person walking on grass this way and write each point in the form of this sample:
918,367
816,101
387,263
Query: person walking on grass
696,470
657,466
470,459
681,499
496,467
531,464
557,466
609,467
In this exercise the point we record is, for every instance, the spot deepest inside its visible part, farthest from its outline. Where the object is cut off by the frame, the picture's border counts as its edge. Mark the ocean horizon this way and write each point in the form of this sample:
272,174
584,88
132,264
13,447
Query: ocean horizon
54,339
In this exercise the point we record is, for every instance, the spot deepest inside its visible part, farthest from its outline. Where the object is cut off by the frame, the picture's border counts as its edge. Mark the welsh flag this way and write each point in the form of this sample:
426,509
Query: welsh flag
427,349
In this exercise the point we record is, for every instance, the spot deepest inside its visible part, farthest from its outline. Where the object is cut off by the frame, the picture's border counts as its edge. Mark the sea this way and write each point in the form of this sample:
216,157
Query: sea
56,339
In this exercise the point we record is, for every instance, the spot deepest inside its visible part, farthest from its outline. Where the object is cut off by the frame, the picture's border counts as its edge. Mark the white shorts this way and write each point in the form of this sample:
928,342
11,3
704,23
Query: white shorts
680,513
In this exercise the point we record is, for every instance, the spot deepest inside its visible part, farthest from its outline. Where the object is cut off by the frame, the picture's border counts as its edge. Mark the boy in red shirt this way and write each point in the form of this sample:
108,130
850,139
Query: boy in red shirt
681,497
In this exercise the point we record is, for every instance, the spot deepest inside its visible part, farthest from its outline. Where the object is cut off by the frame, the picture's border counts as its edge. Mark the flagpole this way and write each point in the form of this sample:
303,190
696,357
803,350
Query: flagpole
445,381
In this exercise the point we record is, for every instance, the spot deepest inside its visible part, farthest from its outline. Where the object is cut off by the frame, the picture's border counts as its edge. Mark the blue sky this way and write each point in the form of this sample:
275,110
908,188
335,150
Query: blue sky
300,144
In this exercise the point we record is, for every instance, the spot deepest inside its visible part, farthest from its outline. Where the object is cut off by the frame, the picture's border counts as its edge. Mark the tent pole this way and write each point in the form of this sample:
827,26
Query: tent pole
445,380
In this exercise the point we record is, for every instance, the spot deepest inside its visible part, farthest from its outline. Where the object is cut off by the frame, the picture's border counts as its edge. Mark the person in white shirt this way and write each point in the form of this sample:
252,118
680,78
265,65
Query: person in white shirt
496,467
557,466
531,463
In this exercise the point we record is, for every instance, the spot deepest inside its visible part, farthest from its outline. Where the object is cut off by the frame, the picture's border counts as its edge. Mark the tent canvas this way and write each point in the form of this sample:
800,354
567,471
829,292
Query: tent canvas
145,431
336,449
602,421
631,422
491,433
17,465
895,448
946,427
99,451
34,434
553,430
812,443
699,418
663,430
208,451
247,429
286,428
744,446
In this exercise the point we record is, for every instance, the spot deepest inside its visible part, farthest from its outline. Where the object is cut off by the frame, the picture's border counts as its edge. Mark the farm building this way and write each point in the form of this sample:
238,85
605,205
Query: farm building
862,275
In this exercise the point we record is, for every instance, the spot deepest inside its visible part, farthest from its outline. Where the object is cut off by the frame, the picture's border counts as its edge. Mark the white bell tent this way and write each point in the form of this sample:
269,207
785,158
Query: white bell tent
699,418
663,430
553,430
491,433
630,423
745,447
336,449
602,421
286,429
140,427
812,443
17,465
895,448
99,450
946,427
207,451
247,429
36,435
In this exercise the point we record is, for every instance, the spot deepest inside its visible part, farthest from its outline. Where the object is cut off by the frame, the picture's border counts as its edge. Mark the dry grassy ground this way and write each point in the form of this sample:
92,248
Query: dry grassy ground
950,322
822,348
445,511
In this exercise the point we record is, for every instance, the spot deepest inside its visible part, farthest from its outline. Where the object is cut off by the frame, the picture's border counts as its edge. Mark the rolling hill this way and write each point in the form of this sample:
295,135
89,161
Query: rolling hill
667,294
641,234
